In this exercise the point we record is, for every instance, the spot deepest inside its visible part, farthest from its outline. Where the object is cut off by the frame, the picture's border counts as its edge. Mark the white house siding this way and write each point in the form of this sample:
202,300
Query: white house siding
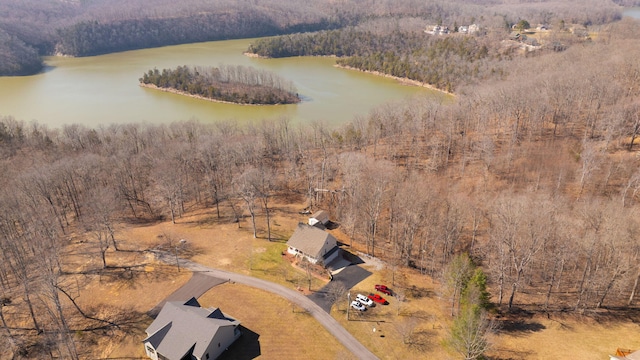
151,352
225,336
331,257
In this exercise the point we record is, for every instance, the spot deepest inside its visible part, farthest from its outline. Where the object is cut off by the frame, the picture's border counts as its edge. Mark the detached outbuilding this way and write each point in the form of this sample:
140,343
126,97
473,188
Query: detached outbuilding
319,217
189,331
317,245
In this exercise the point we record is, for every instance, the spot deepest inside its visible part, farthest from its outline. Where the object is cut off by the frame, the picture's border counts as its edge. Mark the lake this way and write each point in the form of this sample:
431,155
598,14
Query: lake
104,89
633,12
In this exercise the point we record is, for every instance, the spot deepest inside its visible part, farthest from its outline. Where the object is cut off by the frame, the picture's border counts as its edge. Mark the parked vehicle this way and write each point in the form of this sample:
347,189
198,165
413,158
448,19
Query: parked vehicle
379,299
364,300
384,289
357,305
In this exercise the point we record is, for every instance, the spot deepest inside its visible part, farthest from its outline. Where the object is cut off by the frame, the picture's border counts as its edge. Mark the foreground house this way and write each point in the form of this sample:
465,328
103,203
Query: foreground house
626,355
317,245
187,331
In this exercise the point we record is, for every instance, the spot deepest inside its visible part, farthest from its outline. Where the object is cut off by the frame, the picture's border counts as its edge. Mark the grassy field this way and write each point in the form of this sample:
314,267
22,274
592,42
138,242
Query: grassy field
276,327
414,328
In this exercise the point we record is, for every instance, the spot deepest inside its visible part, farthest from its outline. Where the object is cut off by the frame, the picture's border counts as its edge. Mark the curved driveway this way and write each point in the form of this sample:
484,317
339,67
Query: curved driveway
312,308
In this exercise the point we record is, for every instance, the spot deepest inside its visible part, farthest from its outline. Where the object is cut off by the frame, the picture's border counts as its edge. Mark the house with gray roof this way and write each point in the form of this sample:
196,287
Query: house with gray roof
187,331
624,355
317,245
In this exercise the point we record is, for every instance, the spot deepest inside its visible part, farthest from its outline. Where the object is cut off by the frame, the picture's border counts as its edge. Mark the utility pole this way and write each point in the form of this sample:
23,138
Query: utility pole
179,245
177,259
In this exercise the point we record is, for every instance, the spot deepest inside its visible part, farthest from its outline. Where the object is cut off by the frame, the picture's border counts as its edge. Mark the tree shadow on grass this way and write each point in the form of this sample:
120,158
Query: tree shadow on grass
245,348
210,219
127,324
615,314
417,292
519,327
512,354
422,340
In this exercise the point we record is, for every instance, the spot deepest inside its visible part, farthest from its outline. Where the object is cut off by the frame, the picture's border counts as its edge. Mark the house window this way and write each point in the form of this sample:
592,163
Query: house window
207,355
218,344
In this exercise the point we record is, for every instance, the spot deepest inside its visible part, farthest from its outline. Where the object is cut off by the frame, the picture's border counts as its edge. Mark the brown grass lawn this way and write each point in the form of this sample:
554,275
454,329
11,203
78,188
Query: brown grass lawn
565,338
412,329
128,300
284,331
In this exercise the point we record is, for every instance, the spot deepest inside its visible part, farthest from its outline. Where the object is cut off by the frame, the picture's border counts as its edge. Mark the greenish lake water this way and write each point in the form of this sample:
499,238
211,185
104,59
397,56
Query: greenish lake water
101,90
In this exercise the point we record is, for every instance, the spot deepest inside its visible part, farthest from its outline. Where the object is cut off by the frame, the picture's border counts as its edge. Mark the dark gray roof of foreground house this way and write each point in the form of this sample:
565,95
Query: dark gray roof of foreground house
309,239
183,327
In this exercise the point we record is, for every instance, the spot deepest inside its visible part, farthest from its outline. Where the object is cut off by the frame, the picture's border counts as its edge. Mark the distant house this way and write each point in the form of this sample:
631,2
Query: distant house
319,217
515,36
189,331
317,245
437,30
468,29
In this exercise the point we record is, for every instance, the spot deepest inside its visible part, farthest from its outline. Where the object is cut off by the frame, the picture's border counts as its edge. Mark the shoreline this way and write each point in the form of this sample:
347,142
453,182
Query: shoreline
400,79
253,55
178,92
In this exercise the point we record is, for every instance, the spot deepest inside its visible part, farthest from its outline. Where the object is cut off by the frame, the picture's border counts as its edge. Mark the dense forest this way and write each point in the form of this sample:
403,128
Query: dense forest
237,84
536,177
90,28
444,62
82,28
19,58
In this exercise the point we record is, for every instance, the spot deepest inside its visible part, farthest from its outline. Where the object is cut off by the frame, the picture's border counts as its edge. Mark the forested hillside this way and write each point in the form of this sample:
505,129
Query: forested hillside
444,62
18,58
90,28
82,28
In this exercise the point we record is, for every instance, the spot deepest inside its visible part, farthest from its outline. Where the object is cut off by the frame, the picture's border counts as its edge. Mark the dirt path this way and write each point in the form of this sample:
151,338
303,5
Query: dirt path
301,300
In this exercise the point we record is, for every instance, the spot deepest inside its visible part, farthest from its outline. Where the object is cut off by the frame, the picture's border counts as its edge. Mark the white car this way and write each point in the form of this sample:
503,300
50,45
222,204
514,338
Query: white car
364,300
356,305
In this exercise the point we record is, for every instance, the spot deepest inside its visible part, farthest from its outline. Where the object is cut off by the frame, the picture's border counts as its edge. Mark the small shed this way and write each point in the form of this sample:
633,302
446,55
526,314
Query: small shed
321,217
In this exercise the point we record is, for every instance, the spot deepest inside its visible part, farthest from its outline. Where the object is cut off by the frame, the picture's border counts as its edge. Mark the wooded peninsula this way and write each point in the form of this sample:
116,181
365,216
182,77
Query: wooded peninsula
234,84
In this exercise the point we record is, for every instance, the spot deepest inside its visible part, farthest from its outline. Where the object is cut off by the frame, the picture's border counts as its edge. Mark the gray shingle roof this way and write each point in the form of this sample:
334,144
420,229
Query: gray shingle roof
321,215
183,326
309,240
